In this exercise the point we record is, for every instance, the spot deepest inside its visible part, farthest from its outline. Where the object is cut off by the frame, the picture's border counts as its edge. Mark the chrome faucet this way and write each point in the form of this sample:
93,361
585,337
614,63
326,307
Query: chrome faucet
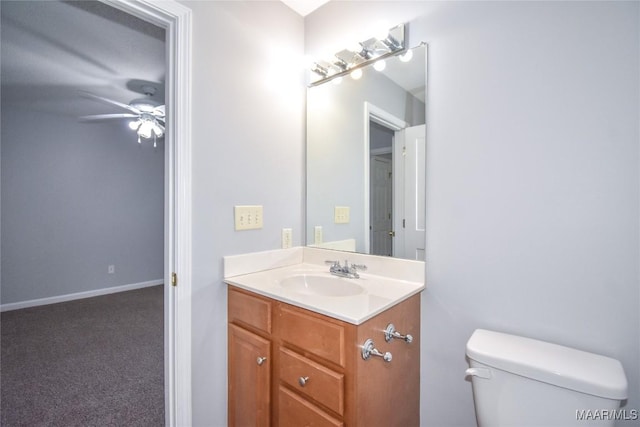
345,270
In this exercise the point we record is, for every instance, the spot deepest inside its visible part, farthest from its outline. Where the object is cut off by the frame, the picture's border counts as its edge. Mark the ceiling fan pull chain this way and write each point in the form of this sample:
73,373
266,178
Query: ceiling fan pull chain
139,142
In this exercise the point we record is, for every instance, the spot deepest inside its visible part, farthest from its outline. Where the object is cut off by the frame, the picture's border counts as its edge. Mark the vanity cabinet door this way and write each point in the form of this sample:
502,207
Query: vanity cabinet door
249,378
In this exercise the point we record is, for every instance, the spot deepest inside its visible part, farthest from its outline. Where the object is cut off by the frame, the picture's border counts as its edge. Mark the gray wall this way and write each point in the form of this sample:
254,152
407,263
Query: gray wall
532,178
248,148
532,174
75,199
380,136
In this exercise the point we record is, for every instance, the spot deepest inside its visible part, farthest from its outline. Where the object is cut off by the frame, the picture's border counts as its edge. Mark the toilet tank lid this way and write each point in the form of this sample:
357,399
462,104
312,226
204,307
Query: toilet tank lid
550,363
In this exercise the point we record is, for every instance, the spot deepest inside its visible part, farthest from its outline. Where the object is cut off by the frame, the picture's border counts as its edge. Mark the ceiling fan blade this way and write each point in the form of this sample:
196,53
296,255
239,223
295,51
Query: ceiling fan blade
110,101
158,111
107,117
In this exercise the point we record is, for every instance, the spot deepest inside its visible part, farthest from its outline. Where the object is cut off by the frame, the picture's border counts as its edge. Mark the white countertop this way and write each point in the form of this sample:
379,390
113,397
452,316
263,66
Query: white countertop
375,293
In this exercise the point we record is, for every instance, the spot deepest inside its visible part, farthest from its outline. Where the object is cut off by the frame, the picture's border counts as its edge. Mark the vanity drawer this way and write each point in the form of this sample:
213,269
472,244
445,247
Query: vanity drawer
295,411
249,310
315,335
322,384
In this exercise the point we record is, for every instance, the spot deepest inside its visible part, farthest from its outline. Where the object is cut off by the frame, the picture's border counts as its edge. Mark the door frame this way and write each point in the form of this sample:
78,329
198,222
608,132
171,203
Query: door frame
388,120
176,19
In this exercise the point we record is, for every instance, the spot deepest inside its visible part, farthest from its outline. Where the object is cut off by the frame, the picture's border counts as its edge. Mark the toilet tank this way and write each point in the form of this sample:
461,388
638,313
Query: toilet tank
520,381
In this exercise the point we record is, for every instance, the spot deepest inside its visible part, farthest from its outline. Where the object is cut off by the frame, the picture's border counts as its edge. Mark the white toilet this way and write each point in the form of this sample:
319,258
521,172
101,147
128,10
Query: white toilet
524,382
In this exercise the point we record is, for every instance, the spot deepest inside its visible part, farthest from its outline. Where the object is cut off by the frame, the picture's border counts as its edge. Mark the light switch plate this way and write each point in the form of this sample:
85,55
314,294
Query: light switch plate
341,214
248,217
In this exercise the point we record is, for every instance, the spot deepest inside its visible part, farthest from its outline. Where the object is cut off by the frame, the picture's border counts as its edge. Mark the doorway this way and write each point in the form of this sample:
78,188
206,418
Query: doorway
383,175
395,190
175,19
381,211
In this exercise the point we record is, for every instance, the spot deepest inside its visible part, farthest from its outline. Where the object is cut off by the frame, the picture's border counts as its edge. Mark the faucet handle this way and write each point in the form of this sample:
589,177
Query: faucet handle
359,267
333,263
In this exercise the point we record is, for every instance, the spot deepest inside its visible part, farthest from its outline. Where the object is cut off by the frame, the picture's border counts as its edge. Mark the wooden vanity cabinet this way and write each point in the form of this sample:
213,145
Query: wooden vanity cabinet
314,374
249,379
249,360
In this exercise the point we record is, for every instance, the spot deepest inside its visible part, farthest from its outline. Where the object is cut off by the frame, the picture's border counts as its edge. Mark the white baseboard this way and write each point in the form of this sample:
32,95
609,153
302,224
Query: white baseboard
79,295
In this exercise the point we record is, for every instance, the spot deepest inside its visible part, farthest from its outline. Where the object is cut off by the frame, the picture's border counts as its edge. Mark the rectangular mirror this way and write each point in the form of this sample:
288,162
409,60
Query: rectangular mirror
366,160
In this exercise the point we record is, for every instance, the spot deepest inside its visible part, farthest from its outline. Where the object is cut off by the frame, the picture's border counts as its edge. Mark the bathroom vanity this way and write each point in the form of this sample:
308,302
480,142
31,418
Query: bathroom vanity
298,356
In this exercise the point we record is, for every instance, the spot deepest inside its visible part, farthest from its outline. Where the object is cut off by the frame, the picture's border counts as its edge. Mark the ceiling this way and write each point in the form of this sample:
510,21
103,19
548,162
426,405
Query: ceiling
51,50
304,7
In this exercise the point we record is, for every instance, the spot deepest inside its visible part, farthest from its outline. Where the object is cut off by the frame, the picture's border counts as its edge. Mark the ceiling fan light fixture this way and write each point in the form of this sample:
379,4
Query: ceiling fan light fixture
146,116
158,130
145,129
135,124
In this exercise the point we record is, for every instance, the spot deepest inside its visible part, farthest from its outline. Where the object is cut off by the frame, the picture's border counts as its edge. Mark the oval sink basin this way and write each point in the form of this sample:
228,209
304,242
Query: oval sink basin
327,286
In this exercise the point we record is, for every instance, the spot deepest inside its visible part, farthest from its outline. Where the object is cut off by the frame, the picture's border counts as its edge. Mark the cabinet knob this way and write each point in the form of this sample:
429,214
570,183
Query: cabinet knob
391,333
260,360
303,381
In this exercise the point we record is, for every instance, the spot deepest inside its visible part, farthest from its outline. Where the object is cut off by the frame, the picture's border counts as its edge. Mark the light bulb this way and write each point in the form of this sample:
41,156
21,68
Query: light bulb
157,130
356,74
406,57
380,65
134,125
145,129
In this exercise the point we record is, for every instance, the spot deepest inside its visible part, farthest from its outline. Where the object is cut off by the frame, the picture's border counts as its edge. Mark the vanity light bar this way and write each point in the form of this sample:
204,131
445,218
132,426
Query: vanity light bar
371,50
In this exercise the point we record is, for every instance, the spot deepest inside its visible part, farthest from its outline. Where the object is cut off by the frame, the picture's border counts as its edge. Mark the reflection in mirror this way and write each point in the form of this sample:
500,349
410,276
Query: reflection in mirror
366,160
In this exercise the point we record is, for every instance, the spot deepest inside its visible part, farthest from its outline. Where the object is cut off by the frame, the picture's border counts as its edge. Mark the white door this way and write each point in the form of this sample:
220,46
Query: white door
380,206
411,201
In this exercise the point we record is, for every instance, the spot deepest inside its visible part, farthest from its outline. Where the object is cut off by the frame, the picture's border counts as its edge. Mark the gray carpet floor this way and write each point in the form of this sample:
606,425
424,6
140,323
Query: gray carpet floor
92,362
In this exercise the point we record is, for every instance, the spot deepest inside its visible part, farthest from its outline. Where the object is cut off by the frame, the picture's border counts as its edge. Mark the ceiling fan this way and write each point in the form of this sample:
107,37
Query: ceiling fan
146,114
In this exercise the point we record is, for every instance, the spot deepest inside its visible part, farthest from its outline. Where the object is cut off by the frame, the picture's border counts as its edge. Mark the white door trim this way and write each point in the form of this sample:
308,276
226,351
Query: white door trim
176,20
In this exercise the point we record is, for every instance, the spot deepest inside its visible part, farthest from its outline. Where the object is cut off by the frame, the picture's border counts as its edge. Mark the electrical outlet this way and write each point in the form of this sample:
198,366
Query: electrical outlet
248,217
317,234
341,214
111,269
287,237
